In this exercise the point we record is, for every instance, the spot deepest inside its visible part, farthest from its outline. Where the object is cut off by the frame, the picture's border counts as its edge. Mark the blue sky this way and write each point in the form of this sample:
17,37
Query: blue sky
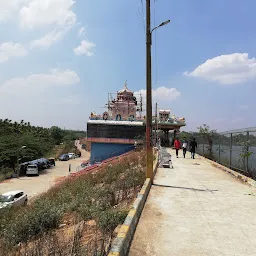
60,58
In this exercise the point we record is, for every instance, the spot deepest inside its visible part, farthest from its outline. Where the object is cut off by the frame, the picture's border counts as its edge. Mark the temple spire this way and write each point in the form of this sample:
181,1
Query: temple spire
125,85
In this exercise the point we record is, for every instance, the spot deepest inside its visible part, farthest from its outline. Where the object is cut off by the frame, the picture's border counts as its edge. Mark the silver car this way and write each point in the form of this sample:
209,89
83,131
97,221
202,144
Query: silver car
13,198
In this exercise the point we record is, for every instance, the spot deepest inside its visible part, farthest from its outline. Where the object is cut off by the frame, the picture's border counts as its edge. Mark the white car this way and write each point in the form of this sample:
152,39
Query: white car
13,198
32,169
71,155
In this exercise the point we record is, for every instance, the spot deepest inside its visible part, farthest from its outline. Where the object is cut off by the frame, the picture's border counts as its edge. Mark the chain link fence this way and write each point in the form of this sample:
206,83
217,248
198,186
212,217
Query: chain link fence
234,149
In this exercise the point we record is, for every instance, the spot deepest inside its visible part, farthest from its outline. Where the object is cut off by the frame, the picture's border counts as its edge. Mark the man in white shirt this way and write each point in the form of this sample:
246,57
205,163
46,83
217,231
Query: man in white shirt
184,147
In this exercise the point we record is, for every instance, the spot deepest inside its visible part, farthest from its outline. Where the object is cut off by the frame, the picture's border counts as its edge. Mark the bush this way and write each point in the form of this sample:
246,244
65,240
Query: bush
110,219
31,222
5,173
89,196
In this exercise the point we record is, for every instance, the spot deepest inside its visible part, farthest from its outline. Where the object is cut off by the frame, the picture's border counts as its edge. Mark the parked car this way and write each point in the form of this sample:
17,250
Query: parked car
51,161
85,164
32,169
64,157
71,155
13,198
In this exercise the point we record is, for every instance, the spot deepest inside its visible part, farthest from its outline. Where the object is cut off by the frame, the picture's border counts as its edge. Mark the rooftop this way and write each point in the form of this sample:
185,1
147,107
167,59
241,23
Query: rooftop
125,89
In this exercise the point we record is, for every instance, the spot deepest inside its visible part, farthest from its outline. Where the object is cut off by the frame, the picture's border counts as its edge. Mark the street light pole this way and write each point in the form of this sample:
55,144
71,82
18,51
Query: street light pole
149,170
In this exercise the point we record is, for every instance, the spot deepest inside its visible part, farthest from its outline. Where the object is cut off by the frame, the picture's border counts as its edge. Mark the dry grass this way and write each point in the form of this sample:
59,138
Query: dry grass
76,217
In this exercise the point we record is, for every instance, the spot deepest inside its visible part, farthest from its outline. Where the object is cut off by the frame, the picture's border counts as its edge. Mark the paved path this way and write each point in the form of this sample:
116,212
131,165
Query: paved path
196,209
35,185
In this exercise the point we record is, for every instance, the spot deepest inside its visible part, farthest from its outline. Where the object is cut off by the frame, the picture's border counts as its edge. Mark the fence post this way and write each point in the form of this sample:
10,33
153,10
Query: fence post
230,155
219,153
247,152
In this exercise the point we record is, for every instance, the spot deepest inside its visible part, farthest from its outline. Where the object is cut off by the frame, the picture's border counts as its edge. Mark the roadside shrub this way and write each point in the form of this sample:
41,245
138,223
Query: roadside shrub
5,173
90,197
29,223
110,219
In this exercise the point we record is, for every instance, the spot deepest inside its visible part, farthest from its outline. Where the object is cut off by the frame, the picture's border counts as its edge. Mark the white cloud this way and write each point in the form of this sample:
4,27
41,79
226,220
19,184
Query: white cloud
8,8
81,31
39,82
41,13
243,106
10,49
50,38
227,69
161,94
85,47
44,99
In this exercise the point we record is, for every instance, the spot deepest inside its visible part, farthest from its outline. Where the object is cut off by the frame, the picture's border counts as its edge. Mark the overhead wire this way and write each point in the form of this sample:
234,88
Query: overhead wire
142,14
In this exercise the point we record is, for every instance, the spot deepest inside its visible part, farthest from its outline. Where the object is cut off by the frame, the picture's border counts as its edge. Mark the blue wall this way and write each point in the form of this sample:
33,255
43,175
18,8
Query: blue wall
102,151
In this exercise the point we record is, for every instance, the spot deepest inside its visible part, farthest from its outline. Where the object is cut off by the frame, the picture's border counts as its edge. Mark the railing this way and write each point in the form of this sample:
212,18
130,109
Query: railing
235,149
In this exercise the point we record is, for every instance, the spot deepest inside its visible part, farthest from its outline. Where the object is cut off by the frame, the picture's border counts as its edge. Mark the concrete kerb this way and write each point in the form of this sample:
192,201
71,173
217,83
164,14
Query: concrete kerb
237,175
121,244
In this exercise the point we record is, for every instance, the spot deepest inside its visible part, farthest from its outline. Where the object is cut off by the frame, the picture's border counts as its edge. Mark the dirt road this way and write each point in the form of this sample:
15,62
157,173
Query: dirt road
35,185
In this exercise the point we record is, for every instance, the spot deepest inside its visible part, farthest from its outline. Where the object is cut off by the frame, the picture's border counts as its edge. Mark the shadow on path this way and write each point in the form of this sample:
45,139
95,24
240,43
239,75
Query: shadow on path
194,189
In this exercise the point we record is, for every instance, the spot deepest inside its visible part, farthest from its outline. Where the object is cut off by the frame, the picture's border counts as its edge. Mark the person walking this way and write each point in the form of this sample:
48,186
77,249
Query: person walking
193,146
177,146
184,147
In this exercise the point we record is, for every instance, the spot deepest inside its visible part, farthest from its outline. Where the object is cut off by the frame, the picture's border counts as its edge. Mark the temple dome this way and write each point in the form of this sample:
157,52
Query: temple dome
125,90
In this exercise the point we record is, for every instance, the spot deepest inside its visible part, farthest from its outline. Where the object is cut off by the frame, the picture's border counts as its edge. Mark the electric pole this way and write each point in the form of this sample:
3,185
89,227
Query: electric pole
149,171
156,125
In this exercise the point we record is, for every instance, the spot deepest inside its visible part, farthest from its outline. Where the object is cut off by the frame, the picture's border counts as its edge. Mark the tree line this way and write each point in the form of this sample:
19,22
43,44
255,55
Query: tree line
22,142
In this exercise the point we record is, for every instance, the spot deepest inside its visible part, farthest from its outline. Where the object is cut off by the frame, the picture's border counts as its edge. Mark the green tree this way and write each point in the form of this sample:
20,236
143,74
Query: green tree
57,134
208,135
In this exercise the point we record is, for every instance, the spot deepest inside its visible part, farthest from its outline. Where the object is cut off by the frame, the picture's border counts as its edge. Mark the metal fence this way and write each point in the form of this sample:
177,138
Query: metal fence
235,149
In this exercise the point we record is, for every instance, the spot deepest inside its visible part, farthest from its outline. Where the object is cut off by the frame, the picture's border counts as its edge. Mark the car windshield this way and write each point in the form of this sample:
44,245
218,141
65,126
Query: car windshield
6,199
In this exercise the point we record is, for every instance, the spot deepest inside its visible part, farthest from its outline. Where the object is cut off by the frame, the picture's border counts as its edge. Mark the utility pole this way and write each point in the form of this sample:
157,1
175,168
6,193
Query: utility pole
149,170
156,128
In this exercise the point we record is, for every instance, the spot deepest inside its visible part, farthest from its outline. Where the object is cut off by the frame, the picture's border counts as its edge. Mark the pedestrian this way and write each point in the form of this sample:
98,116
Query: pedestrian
193,146
177,146
184,147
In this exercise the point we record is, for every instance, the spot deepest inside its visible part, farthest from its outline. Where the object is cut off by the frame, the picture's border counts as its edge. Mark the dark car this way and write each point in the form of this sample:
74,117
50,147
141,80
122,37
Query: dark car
64,157
51,161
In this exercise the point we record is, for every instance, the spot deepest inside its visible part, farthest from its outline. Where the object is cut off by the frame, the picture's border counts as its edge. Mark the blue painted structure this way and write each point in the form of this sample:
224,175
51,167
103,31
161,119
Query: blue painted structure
103,151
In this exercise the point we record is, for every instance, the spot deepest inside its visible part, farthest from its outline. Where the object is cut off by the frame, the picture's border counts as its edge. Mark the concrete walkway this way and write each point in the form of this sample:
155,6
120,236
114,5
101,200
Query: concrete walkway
196,209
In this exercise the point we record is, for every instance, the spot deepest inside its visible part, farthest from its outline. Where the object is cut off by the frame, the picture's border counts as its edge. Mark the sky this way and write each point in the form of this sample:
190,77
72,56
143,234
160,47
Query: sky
59,59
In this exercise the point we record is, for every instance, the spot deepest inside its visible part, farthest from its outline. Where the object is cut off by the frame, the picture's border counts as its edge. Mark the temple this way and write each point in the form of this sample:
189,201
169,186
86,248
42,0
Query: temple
115,131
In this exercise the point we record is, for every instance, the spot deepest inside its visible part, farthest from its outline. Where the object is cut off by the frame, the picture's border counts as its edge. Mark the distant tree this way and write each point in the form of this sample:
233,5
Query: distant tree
57,134
208,135
185,135
38,142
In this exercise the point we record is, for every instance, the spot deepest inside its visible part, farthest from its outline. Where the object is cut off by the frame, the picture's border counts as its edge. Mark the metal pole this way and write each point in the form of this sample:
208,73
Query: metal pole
149,171
230,155
219,151
247,151
155,125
